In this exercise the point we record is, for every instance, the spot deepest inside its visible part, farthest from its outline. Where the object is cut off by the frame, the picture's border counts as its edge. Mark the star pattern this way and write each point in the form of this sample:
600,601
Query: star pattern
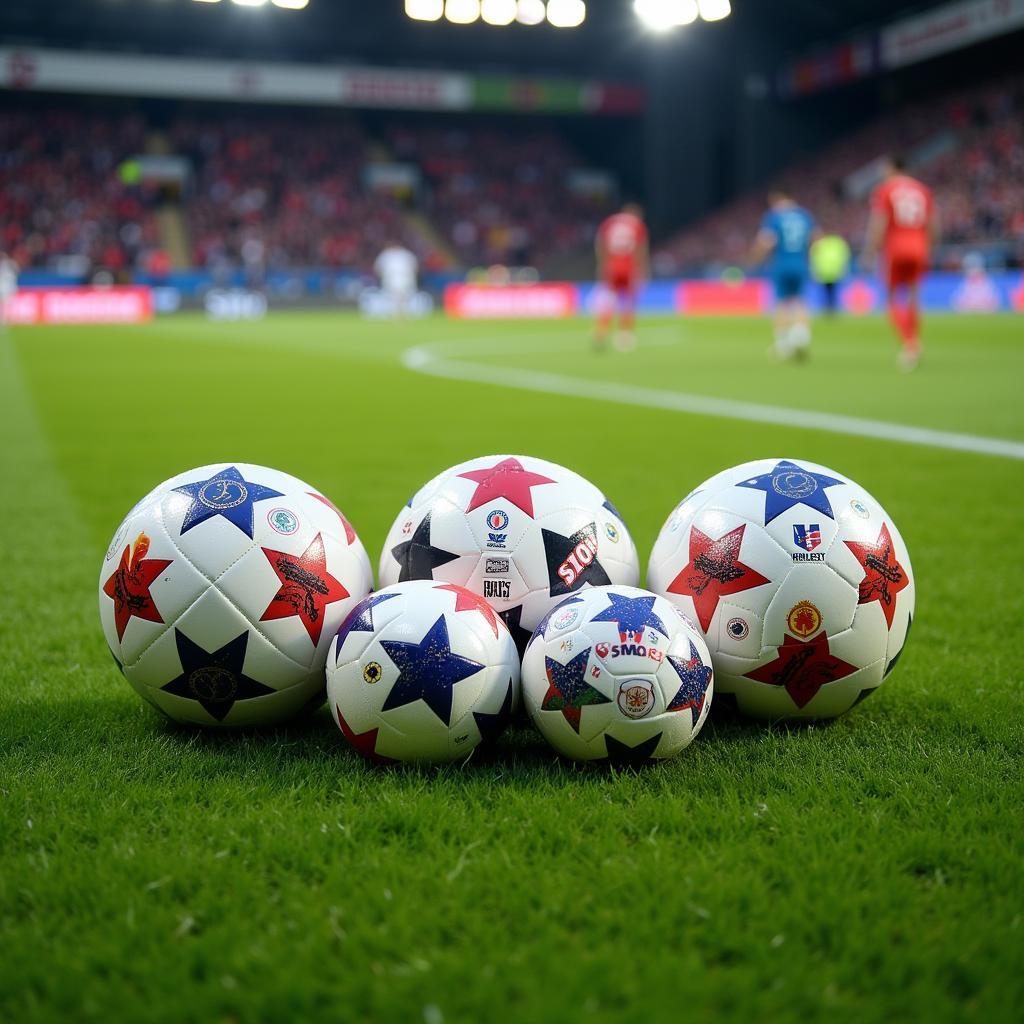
506,479
567,571
306,587
364,742
714,571
226,493
214,679
803,667
884,577
631,614
129,585
694,677
624,756
513,618
492,725
467,601
360,619
568,690
350,534
789,484
611,508
427,671
416,558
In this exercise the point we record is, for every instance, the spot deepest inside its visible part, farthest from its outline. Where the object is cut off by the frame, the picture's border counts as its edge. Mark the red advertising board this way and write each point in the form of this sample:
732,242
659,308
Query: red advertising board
515,301
722,298
85,305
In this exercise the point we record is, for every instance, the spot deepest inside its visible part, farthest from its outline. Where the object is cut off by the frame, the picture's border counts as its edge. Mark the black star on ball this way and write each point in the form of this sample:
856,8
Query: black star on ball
622,755
416,558
572,561
214,679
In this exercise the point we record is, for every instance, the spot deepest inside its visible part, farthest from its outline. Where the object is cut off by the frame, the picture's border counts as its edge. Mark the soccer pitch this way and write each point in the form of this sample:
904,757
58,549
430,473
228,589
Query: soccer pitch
868,869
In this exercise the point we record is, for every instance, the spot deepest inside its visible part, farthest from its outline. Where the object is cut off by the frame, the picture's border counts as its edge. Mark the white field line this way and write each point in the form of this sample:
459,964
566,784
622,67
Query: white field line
423,359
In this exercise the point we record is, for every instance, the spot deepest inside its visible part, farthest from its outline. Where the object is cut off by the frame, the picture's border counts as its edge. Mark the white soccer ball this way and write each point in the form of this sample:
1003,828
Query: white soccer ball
617,673
422,671
222,590
799,581
521,532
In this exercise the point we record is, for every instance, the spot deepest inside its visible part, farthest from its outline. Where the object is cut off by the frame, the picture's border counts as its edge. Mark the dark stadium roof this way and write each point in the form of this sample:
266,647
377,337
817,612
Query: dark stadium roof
377,31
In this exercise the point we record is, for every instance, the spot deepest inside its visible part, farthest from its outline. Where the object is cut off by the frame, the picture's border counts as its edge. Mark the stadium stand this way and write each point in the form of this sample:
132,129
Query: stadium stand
968,146
61,196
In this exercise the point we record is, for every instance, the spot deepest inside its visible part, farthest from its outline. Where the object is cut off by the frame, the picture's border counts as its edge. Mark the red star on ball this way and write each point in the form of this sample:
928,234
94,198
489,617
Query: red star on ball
129,586
350,534
803,667
467,601
714,570
306,587
364,742
884,577
507,479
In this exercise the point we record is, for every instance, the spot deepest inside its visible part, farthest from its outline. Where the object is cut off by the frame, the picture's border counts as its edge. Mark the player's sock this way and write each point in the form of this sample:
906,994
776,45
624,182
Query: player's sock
912,339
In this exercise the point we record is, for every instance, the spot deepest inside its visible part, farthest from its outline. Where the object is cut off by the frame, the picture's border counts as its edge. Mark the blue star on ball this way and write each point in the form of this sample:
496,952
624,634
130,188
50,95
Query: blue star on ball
227,493
789,484
632,614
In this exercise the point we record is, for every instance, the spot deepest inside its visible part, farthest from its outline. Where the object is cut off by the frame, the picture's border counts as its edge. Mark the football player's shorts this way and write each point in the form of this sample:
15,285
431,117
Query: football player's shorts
905,269
789,284
621,276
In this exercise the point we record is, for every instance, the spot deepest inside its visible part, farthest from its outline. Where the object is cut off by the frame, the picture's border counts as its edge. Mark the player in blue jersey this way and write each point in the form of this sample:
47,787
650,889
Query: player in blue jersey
786,233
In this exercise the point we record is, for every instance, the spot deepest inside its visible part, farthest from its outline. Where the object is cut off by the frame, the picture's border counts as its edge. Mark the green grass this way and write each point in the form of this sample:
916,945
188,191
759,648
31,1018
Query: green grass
866,870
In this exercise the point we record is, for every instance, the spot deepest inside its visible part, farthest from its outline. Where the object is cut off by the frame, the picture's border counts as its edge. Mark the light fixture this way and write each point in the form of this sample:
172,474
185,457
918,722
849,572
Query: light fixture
291,5
462,12
424,10
662,15
714,10
566,13
498,12
250,3
530,12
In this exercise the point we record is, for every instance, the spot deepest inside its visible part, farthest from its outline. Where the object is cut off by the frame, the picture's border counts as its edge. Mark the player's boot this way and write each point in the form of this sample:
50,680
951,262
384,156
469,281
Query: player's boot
800,341
909,358
625,341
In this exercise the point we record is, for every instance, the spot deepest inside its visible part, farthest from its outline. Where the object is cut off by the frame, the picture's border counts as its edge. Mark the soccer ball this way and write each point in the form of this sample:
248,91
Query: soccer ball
799,581
521,532
222,590
617,673
422,671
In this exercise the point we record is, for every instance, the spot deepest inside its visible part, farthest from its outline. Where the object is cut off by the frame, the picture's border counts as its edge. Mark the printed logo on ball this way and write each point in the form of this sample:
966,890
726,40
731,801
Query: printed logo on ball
496,566
372,672
737,628
283,521
579,557
565,618
223,493
807,537
611,532
497,519
803,619
628,650
115,544
497,590
794,483
859,509
635,698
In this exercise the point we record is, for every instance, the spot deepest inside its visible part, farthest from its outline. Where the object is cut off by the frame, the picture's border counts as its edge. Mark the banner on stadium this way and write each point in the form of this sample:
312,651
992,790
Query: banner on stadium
514,301
51,70
81,305
950,27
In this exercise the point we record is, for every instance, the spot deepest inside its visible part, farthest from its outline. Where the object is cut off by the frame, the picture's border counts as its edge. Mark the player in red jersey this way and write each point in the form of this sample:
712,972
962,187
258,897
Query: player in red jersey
903,225
622,260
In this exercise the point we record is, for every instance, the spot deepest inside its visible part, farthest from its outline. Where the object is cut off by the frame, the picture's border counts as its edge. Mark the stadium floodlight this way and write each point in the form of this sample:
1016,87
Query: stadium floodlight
291,5
250,3
566,13
462,12
530,12
714,10
662,15
424,10
207,1
498,12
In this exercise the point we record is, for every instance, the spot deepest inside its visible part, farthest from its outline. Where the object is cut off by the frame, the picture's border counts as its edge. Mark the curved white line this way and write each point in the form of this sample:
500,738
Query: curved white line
423,359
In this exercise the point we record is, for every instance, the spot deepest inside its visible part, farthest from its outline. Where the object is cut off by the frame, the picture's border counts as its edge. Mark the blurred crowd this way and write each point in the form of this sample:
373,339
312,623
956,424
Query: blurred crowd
501,196
61,196
280,191
971,147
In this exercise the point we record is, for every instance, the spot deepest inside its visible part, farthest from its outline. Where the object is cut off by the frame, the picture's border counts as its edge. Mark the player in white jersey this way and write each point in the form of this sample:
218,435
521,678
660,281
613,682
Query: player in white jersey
397,267
8,285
